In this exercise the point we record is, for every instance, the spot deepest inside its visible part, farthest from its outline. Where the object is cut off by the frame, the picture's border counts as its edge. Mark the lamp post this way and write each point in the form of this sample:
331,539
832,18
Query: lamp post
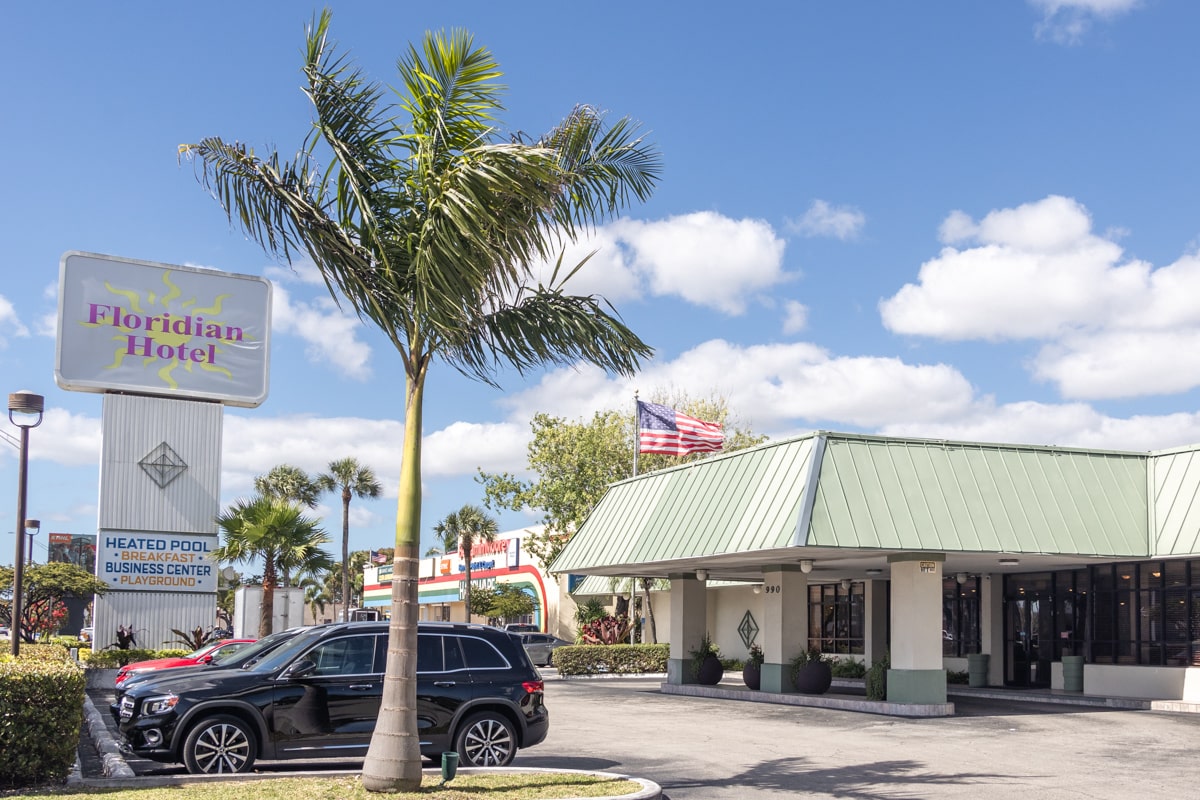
25,411
32,528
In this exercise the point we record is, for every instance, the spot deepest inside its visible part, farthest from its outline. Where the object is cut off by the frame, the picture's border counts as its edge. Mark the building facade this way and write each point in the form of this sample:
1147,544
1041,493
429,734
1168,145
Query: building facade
937,553
505,561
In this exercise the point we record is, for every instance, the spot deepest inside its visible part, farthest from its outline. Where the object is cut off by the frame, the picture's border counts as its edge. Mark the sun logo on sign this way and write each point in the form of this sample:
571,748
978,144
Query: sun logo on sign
181,335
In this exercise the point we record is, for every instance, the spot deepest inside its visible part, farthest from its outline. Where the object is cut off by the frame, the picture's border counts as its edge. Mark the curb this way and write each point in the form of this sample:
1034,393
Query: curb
110,751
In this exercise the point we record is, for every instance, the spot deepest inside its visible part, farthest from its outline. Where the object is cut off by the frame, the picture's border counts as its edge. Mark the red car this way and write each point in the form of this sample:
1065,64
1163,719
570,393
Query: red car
210,652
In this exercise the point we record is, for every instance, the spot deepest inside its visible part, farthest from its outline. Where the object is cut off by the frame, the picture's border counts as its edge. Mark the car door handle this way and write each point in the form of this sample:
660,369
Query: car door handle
361,687
444,683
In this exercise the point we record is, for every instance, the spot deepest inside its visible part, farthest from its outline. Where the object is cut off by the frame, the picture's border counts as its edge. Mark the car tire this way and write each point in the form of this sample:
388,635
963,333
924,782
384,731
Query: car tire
486,740
220,744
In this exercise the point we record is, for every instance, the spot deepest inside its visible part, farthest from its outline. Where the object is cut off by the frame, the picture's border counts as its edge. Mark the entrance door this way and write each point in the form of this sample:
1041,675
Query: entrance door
1029,632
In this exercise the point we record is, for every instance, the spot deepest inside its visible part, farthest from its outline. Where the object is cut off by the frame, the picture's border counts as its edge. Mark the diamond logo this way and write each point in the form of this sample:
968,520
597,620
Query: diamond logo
748,629
163,465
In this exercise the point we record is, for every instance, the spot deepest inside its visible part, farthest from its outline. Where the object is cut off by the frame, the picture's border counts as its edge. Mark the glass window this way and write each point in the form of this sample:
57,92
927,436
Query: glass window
429,653
481,654
836,617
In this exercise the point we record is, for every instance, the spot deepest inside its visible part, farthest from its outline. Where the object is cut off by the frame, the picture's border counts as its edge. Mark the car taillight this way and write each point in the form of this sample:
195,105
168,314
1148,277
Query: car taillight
533,686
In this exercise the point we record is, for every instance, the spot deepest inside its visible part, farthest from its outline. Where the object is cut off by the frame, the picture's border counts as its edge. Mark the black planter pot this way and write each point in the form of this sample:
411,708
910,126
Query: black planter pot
752,676
710,672
814,677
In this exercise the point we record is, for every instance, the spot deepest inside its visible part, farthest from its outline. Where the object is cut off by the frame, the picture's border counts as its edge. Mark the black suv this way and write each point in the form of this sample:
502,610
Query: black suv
318,695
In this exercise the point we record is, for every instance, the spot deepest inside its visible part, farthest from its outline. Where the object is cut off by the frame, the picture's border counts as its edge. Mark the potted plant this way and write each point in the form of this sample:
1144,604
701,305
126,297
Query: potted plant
811,674
706,663
752,671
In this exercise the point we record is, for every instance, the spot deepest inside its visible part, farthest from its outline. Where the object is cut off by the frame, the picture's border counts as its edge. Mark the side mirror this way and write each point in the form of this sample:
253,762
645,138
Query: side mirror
301,669
206,660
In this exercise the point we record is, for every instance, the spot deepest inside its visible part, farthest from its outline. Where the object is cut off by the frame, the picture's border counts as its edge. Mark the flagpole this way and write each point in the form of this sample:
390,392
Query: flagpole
637,445
637,432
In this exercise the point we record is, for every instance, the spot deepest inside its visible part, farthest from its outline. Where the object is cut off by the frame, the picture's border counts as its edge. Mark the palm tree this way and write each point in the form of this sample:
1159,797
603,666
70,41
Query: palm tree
446,541
430,226
287,482
468,525
352,479
281,535
316,596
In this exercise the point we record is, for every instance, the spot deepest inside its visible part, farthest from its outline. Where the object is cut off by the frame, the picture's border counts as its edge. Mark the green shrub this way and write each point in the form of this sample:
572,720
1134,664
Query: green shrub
111,659
611,659
847,668
44,652
876,678
958,677
41,712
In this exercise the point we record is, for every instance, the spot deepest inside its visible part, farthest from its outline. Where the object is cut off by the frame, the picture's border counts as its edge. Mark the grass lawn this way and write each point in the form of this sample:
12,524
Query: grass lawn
495,786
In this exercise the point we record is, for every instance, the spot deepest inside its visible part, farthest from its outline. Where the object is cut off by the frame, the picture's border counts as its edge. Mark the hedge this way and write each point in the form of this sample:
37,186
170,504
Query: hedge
611,659
41,713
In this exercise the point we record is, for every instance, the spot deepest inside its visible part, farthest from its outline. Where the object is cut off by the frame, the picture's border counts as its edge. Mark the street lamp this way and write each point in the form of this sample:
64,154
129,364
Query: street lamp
32,528
25,411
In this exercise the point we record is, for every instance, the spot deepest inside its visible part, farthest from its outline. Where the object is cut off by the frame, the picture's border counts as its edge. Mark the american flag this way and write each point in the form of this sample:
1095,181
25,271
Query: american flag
378,557
662,429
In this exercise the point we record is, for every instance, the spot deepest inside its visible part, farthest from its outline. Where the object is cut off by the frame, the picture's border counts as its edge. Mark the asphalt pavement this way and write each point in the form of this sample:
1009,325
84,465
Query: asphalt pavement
702,748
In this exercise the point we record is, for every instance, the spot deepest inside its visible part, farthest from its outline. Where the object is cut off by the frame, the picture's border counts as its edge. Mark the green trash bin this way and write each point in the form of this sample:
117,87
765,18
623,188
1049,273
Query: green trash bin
1072,673
977,669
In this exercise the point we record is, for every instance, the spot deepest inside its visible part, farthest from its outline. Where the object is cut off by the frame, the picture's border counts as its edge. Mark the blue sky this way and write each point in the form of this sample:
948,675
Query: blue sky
936,219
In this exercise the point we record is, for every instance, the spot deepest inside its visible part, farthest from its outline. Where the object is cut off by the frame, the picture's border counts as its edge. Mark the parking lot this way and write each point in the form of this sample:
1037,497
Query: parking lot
710,749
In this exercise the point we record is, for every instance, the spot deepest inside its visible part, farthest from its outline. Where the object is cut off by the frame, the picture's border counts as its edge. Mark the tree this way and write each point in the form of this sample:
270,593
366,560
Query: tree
469,525
351,479
278,532
575,463
502,602
286,482
431,227
44,587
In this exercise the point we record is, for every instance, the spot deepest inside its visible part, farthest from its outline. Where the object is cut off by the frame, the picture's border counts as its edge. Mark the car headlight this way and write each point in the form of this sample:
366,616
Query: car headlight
161,704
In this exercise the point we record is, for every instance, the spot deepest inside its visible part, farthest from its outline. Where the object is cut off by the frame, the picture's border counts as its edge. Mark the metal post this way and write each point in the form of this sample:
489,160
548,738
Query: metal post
28,406
19,564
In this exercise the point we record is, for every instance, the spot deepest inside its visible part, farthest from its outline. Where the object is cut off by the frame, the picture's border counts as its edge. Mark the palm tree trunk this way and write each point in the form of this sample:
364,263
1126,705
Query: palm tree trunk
646,583
465,544
267,610
346,551
393,762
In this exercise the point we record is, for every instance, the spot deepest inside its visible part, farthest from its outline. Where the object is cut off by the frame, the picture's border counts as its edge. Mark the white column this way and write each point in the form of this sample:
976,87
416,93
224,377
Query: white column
785,624
689,621
916,674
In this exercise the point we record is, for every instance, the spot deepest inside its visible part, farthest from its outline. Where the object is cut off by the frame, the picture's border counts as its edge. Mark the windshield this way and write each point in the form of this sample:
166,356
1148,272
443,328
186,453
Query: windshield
251,651
284,653
200,652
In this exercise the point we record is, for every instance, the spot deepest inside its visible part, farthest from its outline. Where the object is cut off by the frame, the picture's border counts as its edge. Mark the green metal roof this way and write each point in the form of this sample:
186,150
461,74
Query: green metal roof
898,494
854,492
1176,508
731,503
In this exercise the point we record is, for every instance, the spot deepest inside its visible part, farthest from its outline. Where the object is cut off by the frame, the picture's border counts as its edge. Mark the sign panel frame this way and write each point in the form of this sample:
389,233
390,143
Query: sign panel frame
145,327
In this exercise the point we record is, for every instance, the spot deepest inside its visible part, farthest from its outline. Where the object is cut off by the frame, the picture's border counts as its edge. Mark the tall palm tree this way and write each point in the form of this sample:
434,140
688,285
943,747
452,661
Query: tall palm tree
281,535
287,482
468,525
430,226
351,478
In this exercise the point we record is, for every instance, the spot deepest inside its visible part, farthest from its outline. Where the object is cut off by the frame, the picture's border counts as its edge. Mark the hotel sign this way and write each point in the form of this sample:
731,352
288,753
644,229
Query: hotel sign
158,329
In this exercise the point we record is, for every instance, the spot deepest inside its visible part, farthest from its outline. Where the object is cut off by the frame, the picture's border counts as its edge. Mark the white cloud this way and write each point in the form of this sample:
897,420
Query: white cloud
779,388
330,333
1111,328
705,258
1066,21
1066,425
795,317
1037,271
10,323
822,219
